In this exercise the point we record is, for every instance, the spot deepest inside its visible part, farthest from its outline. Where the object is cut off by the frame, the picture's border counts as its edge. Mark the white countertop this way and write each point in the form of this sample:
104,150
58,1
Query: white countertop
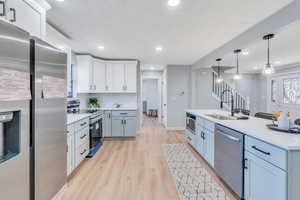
122,108
254,127
114,108
71,118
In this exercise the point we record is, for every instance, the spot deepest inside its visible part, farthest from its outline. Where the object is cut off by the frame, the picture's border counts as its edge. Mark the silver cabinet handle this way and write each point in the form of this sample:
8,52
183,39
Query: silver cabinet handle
230,137
83,124
83,136
3,13
14,19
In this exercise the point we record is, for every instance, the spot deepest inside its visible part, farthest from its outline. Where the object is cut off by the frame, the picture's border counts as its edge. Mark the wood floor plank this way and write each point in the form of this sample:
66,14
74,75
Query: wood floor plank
128,169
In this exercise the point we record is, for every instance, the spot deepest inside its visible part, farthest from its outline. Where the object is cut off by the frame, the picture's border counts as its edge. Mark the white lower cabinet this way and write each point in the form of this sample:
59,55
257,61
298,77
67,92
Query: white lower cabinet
78,143
204,140
263,180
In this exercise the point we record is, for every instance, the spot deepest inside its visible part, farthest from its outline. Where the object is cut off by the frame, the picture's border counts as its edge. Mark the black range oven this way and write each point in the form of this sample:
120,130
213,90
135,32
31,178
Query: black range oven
96,133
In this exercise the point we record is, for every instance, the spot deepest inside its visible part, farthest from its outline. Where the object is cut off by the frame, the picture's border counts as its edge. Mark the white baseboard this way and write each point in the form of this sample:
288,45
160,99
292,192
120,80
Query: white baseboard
173,128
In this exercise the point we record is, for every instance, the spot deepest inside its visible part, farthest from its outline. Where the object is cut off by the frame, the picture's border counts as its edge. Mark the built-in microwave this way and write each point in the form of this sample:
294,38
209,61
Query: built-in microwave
191,123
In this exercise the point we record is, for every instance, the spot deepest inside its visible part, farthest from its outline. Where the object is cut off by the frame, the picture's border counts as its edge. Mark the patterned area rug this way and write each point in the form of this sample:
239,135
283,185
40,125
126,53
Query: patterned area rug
192,180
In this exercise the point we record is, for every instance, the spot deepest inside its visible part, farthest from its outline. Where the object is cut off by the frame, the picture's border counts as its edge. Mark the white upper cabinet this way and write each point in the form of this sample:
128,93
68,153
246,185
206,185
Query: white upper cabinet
29,15
84,74
130,77
99,76
115,77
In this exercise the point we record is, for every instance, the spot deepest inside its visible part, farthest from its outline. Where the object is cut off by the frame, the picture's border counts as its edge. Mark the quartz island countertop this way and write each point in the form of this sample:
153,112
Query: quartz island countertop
72,118
254,127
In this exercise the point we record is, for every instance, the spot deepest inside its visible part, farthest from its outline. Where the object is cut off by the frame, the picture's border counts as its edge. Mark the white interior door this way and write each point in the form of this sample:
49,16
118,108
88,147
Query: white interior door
25,16
99,74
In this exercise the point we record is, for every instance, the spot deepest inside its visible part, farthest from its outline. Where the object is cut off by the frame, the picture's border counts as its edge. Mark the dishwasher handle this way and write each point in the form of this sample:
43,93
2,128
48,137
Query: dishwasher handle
230,137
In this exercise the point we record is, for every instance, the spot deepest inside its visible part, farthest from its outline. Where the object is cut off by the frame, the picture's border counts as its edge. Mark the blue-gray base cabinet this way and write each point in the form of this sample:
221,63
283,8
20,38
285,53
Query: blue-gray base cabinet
203,139
120,124
270,172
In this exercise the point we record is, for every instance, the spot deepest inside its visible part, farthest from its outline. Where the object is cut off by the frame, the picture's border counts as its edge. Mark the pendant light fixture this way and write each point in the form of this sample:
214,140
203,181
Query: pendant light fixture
237,75
268,68
219,79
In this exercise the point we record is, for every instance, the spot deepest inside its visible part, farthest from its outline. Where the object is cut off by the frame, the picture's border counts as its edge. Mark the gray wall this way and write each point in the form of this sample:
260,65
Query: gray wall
202,90
178,95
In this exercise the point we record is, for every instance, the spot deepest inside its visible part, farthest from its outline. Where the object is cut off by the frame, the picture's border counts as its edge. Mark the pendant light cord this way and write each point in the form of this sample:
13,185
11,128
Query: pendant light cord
237,63
268,51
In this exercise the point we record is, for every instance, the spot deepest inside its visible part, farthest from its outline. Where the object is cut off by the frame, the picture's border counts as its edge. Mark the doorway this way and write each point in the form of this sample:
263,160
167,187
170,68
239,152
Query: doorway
151,98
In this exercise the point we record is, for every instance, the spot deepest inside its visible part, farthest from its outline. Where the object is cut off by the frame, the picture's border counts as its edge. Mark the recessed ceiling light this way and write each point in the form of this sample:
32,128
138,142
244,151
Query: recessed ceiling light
245,53
60,0
152,68
173,3
158,48
100,47
277,62
255,68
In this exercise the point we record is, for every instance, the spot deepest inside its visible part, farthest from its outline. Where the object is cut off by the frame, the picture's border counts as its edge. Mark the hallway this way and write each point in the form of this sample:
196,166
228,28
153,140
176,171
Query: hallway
128,169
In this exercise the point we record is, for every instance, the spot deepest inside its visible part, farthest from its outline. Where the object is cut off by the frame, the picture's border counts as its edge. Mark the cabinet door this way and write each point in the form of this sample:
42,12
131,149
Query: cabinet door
115,77
130,78
99,76
209,140
69,155
25,16
107,124
263,180
84,74
130,126
117,127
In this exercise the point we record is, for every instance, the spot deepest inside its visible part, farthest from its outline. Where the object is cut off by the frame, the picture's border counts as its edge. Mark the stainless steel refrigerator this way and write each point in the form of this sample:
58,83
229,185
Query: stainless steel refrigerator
33,156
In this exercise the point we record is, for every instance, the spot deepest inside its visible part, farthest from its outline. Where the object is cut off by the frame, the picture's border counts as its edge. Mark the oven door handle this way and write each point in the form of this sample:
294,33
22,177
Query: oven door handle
230,137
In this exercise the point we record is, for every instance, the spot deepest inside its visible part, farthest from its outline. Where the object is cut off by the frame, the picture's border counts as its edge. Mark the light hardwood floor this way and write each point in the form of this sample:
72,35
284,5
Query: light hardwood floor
128,169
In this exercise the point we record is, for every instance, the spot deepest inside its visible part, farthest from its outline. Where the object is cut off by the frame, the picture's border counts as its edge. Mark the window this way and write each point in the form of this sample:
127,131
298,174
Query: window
291,91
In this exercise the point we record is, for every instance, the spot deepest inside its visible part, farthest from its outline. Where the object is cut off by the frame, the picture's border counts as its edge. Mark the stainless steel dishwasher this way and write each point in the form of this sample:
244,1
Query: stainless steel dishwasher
229,158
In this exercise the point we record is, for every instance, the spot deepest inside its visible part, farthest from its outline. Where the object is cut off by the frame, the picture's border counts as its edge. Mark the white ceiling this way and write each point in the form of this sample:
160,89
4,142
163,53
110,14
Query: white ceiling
284,48
133,28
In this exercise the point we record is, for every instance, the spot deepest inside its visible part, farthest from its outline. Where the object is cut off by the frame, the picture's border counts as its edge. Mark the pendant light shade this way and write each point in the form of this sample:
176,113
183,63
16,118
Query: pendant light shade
219,79
268,69
237,75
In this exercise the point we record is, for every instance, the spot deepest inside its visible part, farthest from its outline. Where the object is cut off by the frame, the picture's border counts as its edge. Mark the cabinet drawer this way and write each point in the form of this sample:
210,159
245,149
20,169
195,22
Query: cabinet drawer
82,124
81,153
124,113
82,136
70,129
268,152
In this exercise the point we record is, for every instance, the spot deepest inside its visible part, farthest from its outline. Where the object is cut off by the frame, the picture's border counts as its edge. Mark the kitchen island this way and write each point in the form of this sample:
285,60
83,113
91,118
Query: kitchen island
271,159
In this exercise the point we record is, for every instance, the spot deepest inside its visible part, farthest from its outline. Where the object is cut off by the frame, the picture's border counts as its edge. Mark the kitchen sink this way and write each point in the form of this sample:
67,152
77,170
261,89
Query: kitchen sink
221,117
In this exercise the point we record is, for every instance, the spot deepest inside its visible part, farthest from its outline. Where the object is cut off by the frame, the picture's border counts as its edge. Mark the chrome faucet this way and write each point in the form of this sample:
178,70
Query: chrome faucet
232,101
